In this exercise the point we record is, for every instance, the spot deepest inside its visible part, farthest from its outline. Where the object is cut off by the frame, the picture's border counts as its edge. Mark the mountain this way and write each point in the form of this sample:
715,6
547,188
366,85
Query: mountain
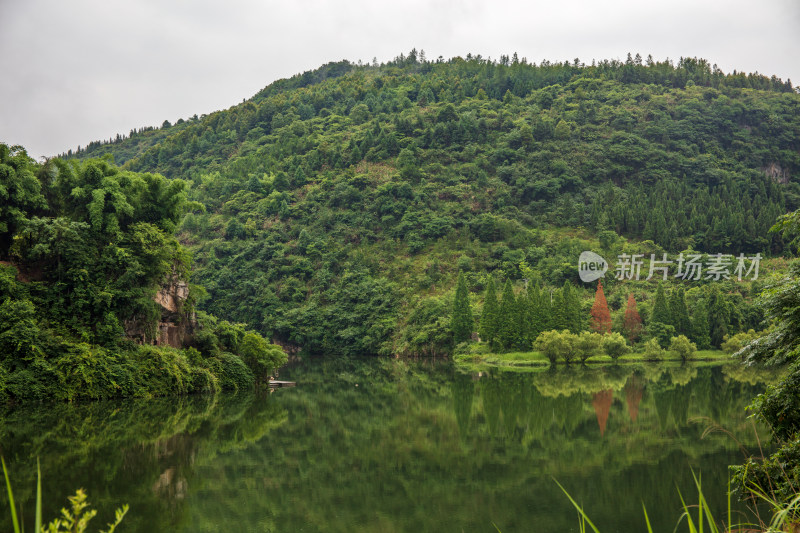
340,204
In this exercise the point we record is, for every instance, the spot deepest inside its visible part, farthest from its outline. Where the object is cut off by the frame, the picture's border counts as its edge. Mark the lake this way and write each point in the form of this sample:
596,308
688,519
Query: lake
385,445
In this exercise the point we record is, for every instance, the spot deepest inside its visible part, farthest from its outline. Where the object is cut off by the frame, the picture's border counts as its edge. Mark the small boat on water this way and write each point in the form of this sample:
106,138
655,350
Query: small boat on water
278,384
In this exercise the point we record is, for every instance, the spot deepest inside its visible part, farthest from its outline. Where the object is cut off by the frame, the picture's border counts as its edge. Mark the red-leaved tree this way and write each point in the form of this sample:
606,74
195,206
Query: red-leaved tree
601,317
632,323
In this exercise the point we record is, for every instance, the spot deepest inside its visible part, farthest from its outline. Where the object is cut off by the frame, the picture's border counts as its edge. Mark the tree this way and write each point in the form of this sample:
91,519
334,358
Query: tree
660,310
462,321
562,130
489,314
663,333
539,312
507,318
567,312
259,355
632,322
20,192
601,317
699,334
779,406
522,323
679,312
717,317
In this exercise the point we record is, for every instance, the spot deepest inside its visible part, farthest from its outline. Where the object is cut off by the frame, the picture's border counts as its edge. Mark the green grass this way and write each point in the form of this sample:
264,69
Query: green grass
535,359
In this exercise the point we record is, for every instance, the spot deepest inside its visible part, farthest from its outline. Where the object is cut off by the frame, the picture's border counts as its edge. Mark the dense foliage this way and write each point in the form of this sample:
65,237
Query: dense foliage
777,476
342,203
85,248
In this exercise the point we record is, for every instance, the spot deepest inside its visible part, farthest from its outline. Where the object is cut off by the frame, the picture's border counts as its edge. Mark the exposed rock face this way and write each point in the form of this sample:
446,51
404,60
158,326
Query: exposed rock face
172,296
777,173
175,325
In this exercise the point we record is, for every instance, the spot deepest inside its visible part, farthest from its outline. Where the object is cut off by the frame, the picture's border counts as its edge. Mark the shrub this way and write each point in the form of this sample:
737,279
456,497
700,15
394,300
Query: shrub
235,374
587,344
161,371
683,347
663,333
652,350
740,340
261,356
556,345
614,345
85,372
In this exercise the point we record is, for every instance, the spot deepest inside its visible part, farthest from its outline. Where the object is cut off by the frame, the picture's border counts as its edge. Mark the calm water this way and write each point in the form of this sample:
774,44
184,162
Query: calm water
386,446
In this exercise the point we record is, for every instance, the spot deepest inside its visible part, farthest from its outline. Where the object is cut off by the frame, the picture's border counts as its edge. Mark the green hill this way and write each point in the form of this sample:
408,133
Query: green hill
341,204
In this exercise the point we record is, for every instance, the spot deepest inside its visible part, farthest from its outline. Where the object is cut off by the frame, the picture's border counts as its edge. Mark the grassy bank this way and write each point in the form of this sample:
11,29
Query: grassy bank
538,359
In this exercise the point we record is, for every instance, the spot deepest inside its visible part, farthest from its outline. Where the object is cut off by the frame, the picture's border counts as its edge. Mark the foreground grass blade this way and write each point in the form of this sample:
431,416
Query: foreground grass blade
38,519
11,499
686,514
578,507
647,519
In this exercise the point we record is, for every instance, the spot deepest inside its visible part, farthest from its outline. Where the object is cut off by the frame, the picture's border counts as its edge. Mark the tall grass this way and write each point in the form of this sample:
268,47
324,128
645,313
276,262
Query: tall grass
73,520
698,518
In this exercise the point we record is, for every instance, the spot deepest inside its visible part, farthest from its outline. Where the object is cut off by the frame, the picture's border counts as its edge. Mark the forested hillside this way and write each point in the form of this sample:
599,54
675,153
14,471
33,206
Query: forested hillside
340,204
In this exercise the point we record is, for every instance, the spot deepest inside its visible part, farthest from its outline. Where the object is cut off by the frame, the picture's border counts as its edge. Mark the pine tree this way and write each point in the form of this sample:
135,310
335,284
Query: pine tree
717,317
660,310
299,177
523,322
567,312
679,312
539,311
632,323
700,329
489,314
559,320
507,319
462,321
601,317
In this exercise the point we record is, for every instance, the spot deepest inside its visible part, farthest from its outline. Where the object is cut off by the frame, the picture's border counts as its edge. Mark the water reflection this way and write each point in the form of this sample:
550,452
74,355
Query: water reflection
387,445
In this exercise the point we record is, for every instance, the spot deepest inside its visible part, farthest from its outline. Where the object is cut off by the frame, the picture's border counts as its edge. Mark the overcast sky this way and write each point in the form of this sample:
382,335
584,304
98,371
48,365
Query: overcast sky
81,70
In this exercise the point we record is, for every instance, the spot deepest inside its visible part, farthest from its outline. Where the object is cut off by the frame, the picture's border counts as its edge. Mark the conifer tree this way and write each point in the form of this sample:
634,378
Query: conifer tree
507,320
632,323
679,312
558,319
462,321
699,334
299,177
539,311
717,317
567,313
489,314
523,322
601,317
660,309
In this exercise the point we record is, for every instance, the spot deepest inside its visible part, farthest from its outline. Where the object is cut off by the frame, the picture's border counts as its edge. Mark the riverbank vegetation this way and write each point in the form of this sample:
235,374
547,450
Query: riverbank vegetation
90,271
